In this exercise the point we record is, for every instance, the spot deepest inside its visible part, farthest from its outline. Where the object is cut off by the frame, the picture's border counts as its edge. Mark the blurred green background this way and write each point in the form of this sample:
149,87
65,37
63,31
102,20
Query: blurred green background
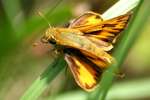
21,63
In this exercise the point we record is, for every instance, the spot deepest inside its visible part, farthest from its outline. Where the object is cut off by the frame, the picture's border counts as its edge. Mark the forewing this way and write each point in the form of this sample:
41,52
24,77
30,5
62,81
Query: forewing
87,22
111,29
85,73
97,48
92,25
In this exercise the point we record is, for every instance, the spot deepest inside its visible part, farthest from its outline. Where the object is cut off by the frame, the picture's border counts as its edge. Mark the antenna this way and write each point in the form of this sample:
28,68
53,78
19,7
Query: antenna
40,14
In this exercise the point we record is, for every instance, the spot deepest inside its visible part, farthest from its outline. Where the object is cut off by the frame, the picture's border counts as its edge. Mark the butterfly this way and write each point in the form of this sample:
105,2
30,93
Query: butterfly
86,44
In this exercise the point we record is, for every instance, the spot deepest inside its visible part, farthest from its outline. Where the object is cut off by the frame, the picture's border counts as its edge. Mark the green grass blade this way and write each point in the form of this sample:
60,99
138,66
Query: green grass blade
43,81
135,27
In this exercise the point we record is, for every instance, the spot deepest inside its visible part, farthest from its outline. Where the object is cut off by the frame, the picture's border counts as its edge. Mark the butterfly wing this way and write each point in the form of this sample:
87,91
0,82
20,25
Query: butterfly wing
85,73
87,22
111,29
93,26
70,39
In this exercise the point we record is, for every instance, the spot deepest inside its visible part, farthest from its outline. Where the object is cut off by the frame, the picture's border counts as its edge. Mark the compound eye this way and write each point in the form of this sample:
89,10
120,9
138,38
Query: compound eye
52,41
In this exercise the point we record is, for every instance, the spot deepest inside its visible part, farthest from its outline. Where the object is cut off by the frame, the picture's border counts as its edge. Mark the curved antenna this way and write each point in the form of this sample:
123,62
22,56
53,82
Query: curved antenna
40,14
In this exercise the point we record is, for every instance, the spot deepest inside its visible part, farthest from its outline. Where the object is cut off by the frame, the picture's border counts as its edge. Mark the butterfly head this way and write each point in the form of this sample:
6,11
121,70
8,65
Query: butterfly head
49,36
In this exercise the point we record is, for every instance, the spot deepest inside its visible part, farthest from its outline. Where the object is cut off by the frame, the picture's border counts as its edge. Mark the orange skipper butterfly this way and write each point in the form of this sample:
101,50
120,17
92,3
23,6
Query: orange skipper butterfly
86,45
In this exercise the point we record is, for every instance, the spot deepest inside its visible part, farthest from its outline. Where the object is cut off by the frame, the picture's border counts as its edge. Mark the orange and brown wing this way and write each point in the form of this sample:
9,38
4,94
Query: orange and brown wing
92,25
87,22
85,72
111,29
